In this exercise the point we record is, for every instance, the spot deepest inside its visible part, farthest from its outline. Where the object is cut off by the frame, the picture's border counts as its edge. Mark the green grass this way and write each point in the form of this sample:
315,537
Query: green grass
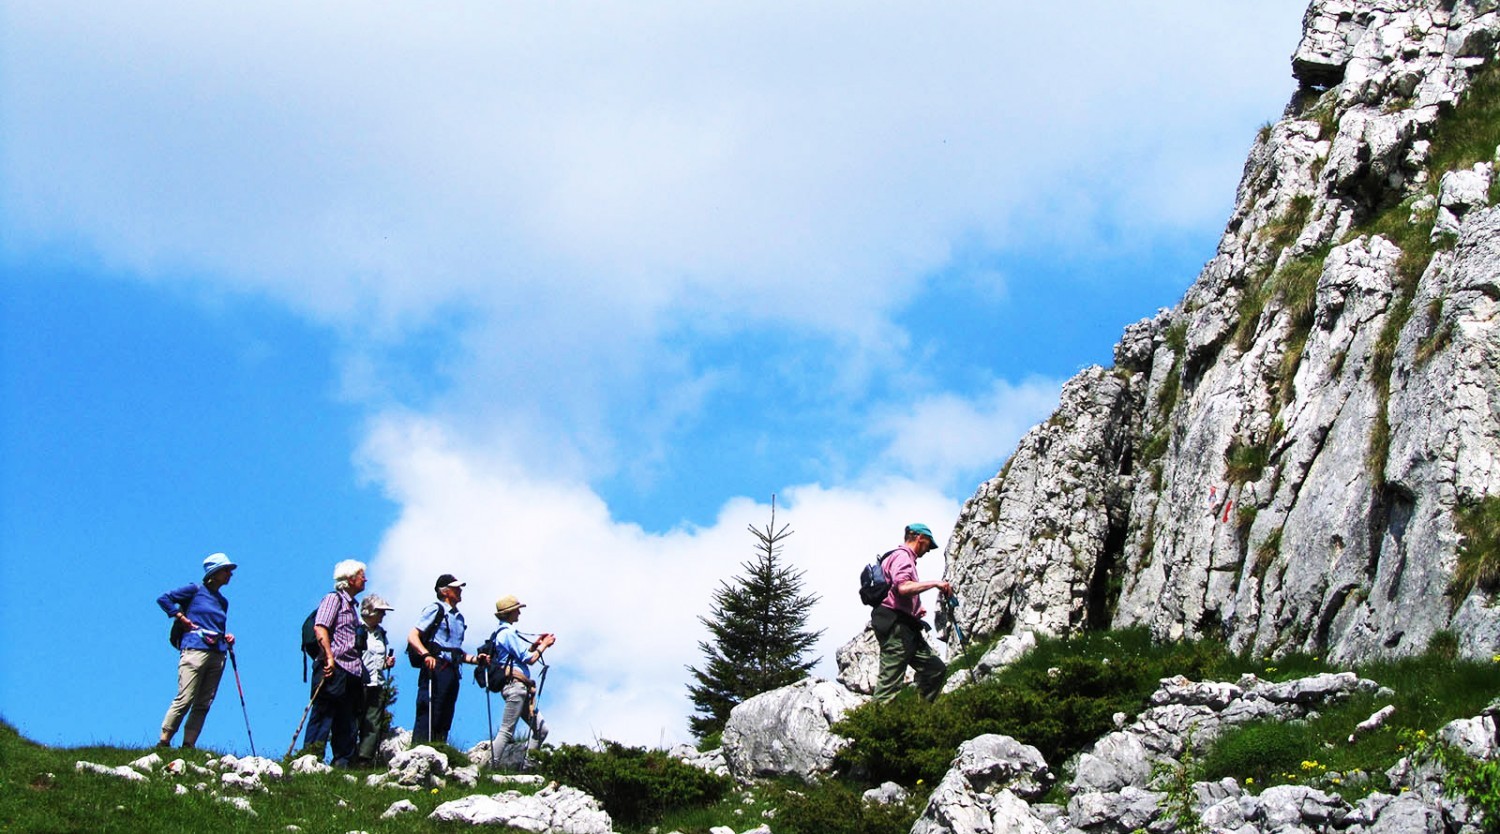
1470,133
1479,553
41,791
1430,691
1244,462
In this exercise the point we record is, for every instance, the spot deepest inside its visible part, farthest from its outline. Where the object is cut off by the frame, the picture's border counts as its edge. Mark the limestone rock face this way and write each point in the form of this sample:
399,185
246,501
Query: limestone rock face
986,790
1277,461
859,662
786,731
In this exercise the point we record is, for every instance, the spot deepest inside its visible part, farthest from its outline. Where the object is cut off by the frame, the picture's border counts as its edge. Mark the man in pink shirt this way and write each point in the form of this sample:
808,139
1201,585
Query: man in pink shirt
898,625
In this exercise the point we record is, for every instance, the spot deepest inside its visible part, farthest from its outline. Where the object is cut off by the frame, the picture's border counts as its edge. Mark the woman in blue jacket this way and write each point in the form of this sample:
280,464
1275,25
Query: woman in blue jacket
202,614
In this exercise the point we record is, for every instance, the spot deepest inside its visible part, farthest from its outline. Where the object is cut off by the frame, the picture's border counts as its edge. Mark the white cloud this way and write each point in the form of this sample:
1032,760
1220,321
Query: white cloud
624,603
586,167
943,437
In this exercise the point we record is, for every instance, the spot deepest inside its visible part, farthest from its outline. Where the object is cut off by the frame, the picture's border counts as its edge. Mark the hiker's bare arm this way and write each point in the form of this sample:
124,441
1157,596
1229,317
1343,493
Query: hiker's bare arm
907,589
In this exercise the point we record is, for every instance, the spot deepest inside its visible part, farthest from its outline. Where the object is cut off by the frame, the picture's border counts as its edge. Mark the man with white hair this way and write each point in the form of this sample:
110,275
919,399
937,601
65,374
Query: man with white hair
343,690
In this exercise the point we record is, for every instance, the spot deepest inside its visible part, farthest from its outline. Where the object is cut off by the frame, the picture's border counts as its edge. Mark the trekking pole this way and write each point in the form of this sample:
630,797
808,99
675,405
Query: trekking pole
489,716
541,682
953,618
305,711
236,664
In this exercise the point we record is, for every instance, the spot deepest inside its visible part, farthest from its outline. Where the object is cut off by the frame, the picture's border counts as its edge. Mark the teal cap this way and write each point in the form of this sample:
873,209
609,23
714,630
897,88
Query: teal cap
922,530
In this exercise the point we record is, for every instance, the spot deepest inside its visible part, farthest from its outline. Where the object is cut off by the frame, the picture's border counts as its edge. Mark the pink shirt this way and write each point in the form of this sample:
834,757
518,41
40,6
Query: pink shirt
901,566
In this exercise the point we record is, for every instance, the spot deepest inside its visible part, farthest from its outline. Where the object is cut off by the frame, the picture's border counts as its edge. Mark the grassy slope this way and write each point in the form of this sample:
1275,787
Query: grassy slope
41,791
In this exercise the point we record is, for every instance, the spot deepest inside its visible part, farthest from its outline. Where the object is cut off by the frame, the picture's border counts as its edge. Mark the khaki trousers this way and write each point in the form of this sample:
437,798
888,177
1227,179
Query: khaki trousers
198,673
903,646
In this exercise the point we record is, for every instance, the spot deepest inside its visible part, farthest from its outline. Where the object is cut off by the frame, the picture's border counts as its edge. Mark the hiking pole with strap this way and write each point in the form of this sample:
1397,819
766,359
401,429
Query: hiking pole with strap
236,664
305,711
953,618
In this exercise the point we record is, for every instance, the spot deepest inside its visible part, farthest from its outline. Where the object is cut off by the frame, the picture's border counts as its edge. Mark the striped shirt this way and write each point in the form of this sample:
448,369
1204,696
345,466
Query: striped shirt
337,614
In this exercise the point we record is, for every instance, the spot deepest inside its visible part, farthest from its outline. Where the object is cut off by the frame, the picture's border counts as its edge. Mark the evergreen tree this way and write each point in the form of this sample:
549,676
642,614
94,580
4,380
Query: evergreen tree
759,635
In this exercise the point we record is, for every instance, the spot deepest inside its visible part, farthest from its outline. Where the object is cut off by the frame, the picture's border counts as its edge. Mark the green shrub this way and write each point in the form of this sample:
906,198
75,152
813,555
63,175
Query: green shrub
1263,752
833,807
1059,698
635,785
1464,777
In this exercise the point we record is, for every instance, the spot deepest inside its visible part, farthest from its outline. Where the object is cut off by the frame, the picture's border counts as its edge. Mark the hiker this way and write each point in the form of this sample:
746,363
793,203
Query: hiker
378,660
437,644
514,656
343,691
201,615
898,624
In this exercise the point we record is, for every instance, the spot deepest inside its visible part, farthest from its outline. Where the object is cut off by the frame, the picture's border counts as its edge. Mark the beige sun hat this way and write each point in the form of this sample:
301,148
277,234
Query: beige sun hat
507,604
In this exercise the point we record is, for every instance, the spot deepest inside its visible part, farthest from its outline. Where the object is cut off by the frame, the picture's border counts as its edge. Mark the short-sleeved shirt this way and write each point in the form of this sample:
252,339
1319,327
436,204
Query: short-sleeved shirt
449,636
512,648
901,566
338,614
209,611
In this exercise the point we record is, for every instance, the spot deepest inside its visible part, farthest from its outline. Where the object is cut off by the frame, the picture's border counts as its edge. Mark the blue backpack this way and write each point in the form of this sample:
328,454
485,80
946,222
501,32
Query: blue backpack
874,583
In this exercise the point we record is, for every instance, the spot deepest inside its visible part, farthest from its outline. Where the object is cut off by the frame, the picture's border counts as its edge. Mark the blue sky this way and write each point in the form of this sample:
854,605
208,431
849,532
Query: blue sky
554,297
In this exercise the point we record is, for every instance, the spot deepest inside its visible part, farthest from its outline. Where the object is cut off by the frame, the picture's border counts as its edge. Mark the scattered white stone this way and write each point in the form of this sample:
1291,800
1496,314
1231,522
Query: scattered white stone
179,789
517,779
399,807
557,810
309,764
258,766
248,784
147,763
468,777
123,771
239,802
421,766
1373,722
889,793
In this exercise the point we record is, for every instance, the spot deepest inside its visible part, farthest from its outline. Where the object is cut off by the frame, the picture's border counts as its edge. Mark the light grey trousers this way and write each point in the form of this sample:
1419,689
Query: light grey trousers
518,703
198,673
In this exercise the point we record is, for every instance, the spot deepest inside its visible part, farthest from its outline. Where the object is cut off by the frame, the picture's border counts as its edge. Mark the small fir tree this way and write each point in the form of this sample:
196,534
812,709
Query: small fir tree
758,625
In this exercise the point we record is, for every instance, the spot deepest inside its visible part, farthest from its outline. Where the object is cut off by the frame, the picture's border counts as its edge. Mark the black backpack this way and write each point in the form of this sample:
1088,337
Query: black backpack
874,582
310,648
493,675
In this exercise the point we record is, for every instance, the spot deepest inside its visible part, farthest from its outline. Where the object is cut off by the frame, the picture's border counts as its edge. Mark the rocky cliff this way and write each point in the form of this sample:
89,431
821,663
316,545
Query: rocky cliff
1283,458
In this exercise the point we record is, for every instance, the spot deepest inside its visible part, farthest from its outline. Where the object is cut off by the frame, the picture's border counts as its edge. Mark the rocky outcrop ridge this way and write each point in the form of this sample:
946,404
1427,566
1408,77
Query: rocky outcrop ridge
1277,461
993,779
